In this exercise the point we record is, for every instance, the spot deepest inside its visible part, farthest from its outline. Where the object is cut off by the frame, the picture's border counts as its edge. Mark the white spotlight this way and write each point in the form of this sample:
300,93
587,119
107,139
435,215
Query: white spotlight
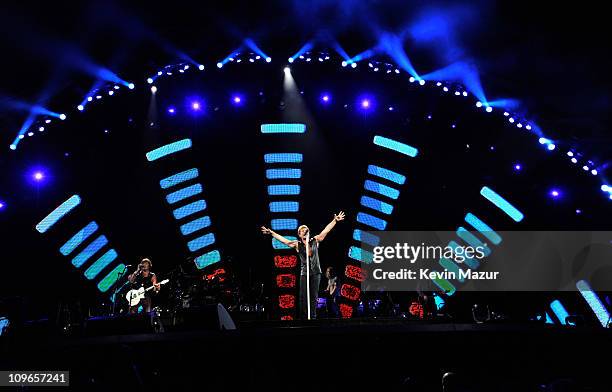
219,65
201,67
287,70
422,82
150,80
153,89
13,147
62,116
80,108
131,86
594,172
353,65
489,109
268,59
41,129
290,60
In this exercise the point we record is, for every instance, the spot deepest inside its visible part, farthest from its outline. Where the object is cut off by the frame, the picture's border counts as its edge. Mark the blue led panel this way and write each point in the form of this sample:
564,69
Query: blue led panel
89,251
364,236
201,242
386,174
195,225
381,189
483,228
284,206
207,259
284,224
396,146
78,238
360,254
559,311
283,158
283,128
178,178
469,261
472,240
168,149
274,174
184,193
189,209
502,204
100,264
112,277
371,221
58,213
377,205
281,190
594,302
276,244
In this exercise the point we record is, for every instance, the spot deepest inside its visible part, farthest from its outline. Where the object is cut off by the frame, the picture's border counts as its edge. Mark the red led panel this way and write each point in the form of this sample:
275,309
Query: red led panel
285,280
285,261
355,272
287,317
346,310
286,301
350,292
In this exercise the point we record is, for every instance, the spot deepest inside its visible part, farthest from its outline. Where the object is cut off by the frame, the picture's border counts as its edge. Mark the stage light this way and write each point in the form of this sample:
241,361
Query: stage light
1,205
528,127
196,105
551,147
116,87
30,133
13,147
219,65
290,60
519,125
353,65
411,79
511,119
391,108
570,154
517,167
268,59
506,114
200,67
257,57
89,99
478,104
150,80
465,94
574,160
80,108
111,92
365,103
585,168
131,86
555,193
237,100
489,109
594,172
153,89
287,70
41,129
422,82
171,110
38,176
62,116
21,136
344,64
606,188
445,89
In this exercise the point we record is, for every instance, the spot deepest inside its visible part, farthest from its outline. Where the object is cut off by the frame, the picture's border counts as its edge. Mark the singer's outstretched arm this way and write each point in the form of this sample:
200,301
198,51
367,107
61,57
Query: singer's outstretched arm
337,218
279,237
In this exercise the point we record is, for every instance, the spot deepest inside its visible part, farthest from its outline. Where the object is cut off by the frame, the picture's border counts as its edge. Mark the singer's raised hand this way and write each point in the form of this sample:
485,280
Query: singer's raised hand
265,230
339,216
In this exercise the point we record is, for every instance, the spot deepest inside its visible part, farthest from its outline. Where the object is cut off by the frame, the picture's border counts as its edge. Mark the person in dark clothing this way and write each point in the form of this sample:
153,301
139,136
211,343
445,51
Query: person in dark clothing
332,291
143,277
304,244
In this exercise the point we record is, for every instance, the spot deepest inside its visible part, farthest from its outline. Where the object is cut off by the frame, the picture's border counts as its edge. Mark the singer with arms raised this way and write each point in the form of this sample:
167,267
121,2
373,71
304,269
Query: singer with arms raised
304,243
143,277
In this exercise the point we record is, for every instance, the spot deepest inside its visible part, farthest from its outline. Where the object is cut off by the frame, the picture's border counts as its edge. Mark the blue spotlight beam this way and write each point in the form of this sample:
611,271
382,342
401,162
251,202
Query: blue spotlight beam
168,149
253,46
305,48
392,45
463,72
58,213
502,204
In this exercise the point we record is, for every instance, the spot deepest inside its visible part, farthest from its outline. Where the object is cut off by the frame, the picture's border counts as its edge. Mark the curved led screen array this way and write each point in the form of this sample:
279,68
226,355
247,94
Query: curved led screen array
283,175
381,191
180,194
86,247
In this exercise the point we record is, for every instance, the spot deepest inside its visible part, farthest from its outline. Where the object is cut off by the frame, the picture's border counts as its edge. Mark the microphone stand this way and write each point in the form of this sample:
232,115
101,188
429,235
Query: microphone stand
116,290
308,273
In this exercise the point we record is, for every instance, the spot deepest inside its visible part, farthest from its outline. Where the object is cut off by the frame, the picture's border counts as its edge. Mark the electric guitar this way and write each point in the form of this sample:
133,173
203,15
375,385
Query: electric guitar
135,295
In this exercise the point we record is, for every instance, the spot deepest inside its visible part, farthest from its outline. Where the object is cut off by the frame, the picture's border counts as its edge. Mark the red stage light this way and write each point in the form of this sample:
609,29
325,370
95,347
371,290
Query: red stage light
286,301
416,309
285,261
285,280
287,317
346,310
354,272
350,292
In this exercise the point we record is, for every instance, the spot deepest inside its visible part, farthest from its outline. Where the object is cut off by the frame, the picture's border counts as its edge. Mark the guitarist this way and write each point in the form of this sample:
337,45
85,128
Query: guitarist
143,277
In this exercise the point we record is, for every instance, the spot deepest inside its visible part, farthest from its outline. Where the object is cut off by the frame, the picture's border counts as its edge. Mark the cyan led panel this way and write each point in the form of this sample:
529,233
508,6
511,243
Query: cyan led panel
195,225
189,209
377,205
396,146
386,174
282,190
594,302
184,193
447,287
89,251
58,213
284,206
111,278
201,242
100,264
78,238
283,128
502,204
381,189
473,241
451,266
283,158
207,259
284,224
178,178
559,311
360,254
276,244
275,174
371,221
168,149
483,228
363,236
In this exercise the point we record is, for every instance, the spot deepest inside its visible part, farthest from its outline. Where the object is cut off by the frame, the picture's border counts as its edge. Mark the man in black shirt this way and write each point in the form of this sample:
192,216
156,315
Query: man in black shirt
301,246
143,277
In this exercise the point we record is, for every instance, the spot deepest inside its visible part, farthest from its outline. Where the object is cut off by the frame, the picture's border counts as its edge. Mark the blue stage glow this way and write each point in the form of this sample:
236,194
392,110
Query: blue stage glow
253,46
196,106
274,174
386,174
366,103
325,98
195,225
372,221
377,205
284,206
360,254
100,264
459,250
306,47
78,238
281,190
189,209
207,259
594,302
555,193
237,100
396,146
58,213
168,149
517,167
276,244
364,236
284,224
502,204
472,240
89,251
283,128
109,280
171,110
465,73
393,46
283,158
559,311
341,52
381,189
178,178
201,242
38,176
2,205
184,193
483,228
